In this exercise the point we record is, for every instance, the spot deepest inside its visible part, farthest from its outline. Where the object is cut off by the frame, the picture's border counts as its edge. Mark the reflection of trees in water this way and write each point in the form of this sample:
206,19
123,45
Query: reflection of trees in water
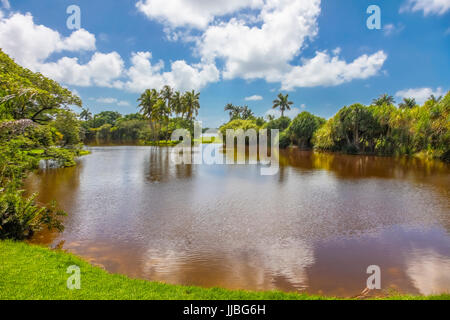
55,184
362,166
161,168
281,174
435,174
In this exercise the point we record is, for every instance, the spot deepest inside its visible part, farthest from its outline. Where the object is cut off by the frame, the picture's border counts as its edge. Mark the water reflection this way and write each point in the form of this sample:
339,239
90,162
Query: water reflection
429,271
160,168
264,267
315,226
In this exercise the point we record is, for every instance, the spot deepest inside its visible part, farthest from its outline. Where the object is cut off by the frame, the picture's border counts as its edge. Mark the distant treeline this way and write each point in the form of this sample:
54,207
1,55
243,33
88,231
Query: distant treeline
161,112
380,128
112,127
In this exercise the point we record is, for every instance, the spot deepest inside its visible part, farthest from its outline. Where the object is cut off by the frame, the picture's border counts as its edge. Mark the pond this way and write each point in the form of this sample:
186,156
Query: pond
314,227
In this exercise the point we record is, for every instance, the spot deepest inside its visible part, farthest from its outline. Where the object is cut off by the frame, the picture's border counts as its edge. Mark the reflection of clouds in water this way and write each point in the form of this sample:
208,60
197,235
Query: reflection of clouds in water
429,271
288,260
262,266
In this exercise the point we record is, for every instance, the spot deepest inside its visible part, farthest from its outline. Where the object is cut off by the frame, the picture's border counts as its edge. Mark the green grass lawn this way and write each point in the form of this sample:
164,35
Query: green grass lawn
33,272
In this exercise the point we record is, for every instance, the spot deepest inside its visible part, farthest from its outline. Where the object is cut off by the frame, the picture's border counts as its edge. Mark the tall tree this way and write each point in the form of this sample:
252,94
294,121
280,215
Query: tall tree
408,103
191,101
167,96
234,111
28,95
85,115
147,102
247,113
384,99
435,99
177,103
282,103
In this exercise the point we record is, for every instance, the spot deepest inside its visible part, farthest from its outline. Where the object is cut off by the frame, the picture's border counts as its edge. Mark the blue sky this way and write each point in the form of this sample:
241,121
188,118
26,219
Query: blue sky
320,52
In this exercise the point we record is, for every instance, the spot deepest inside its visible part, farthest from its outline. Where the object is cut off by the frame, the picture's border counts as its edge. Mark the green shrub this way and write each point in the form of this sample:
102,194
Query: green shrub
285,140
303,127
42,136
68,125
239,124
281,124
15,162
65,157
20,218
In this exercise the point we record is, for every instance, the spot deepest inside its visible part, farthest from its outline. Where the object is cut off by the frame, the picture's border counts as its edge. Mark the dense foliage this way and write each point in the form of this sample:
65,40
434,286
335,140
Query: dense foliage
35,123
381,128
21,217
161,113
131,128
301,130
387,130
28,95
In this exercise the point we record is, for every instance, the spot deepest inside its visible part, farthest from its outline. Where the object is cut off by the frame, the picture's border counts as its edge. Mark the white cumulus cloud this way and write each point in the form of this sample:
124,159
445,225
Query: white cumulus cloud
267,51
263,51
123,104
104,70
428,7
253,98
420,94
192,13
182,76
113,101
107,100
31,44
392,29
261,42
324,70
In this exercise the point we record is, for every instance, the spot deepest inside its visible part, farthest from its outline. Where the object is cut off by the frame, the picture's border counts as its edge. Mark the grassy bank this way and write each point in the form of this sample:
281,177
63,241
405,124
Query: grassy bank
33,272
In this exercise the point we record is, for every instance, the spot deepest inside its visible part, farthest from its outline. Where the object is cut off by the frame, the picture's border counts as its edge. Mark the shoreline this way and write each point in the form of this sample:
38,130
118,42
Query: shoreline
34,272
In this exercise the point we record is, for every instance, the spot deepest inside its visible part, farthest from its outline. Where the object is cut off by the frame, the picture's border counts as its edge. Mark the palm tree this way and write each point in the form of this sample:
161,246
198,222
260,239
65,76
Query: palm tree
234,111
384,99
229,107
86,114
166,95
191,103
283,103
434,99
177,103
247,113
408,103
147,102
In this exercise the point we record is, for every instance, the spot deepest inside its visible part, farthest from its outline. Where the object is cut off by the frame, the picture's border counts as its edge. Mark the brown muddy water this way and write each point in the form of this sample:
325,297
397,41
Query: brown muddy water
314,227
